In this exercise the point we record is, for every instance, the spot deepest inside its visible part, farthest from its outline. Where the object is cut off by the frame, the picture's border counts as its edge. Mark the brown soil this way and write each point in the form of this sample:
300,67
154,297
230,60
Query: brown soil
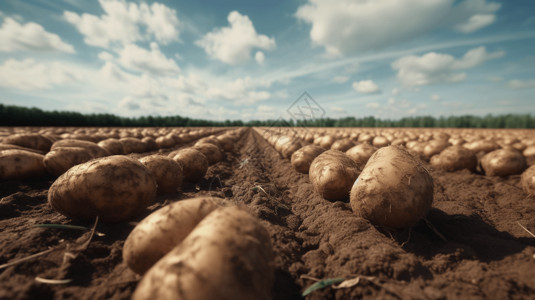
485,253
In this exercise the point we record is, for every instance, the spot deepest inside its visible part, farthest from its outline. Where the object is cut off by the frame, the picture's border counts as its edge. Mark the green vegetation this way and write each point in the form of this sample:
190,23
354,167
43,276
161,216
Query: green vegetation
22,116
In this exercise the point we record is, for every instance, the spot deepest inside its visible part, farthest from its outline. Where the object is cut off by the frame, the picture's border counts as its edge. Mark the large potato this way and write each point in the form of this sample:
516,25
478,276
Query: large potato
361,153
20,164
193,162
59,160
15,147
211,151
115,188
528,180
31,140
503,162
393,190
168,173
302,158
332,173
164,229
228,255
112,145
455,158
94,149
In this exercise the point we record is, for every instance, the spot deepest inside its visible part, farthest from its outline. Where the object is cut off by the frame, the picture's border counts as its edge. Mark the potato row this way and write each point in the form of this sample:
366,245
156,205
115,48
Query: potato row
384,175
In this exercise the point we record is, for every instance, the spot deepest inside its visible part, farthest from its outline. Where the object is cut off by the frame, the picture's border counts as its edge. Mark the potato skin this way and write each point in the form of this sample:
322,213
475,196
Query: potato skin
60,159
31,140
113,146
168,173
503,162
211,151
20,164
528,180
302,158
332,174
361,153
193,162
393,190
455,158
164,229
115,188
227,256
94,149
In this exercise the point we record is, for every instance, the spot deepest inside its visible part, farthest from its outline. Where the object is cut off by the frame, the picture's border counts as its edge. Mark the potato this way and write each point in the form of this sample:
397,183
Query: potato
113,146
528,180
115,188
332,173
15,147
211,151
165,142
32,140
503,162
393,190
168,173
150,143
288,148
327,141
455,158
226,141
133,145
484,146
435,147
164,229
342,145
361,153
20,164
380,141
209,140
60,159
193,162
228,255
94,149
529,151
302,158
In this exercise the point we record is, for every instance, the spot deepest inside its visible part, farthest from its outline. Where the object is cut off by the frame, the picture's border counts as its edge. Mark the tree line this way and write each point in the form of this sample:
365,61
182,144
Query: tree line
11,115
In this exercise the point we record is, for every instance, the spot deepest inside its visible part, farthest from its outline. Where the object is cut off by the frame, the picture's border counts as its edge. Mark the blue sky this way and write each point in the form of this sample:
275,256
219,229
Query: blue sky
252,59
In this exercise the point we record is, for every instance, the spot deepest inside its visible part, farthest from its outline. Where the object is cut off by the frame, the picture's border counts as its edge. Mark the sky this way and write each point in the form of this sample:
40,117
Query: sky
245,60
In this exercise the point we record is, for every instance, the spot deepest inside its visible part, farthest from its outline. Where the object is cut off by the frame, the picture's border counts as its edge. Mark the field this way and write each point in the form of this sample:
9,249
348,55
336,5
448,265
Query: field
475,242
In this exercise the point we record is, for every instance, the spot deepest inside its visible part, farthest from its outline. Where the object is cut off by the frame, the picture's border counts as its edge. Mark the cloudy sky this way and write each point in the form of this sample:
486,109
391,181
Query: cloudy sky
253,59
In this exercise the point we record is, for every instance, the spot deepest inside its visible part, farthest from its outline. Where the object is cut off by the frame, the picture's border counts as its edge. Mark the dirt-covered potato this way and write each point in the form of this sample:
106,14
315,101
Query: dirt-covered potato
20,164
435,147
226,141
113,146
94,149
287,149
209,140
503,162
211,151
361,153
393,190
529,151
150,143
484,146
165,141
528,180
342,145
133,145
59,160
164,229
326,141
193,162
168,173
15,147
302,158
228,255
455,158
115,188
30,140
332,174
380,141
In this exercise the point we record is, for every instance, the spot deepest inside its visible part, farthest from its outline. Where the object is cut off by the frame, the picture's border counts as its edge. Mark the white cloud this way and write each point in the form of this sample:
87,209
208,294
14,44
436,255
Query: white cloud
30,75
337,109
373,105
340,79
434,67
241,91
29,37
395,92
105,56
233,44
435,97
366,87
122,22
476,22
259,57
153,61
521,84
346,26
